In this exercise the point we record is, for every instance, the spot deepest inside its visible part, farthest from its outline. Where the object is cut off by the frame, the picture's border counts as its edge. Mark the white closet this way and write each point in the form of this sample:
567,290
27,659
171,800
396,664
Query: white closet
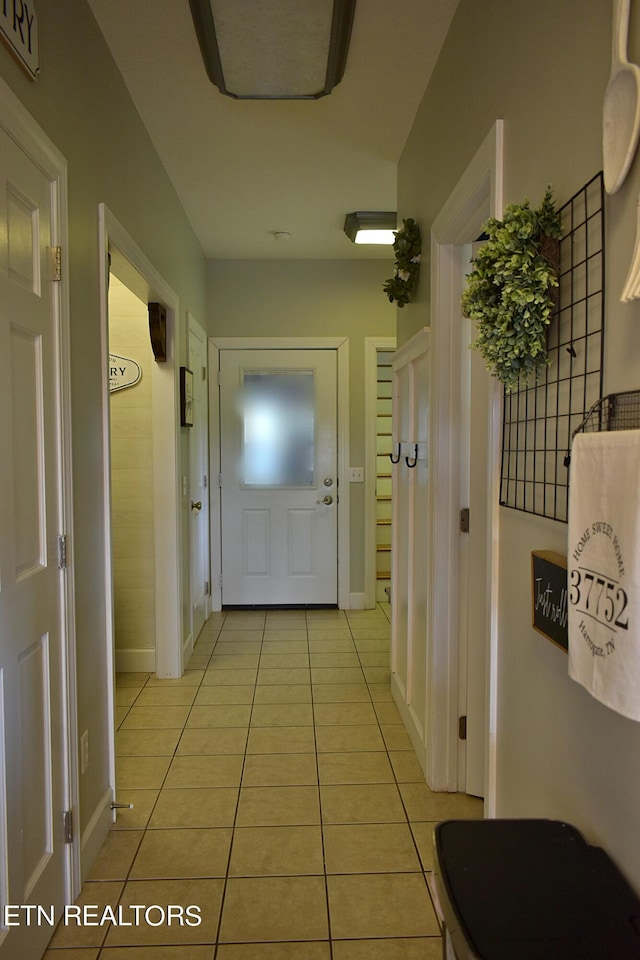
409,576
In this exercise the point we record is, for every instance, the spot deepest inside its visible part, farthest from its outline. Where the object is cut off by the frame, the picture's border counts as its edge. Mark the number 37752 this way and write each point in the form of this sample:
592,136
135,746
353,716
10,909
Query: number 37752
599,597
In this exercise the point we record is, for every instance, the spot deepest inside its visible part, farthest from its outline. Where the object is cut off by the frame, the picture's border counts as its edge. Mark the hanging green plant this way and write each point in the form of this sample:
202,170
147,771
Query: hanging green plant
509,293
406,247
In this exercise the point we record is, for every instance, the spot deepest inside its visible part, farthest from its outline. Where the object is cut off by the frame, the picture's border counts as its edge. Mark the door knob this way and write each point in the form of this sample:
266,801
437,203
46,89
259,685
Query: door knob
328,482
328,500
197,505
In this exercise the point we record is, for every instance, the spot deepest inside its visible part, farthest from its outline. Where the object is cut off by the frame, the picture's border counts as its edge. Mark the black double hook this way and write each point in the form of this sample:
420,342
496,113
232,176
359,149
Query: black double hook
397,459
414,458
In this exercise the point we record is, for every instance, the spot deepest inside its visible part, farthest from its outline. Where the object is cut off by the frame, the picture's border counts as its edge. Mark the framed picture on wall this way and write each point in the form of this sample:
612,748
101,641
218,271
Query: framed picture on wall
186,397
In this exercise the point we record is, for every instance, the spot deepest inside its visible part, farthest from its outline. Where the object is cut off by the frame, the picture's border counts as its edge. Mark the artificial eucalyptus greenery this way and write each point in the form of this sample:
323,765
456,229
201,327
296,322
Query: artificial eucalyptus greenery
509,292
406,247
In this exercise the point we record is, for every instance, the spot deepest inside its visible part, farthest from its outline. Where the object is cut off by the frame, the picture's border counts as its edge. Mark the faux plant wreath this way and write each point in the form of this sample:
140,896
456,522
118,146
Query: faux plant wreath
406,247
509,291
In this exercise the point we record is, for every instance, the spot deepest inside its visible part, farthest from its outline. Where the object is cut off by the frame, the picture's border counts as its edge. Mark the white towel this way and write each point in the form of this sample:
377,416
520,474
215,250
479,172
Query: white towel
604,568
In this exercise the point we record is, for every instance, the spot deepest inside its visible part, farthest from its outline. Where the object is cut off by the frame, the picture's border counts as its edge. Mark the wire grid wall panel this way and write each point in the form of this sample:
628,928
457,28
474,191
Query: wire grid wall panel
540,420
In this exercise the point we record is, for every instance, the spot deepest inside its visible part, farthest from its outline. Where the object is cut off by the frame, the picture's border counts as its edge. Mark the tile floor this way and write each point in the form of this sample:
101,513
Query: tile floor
275,788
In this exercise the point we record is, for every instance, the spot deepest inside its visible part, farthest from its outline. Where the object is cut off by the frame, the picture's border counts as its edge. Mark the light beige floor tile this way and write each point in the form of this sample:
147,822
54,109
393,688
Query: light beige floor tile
406,767
196,661
240,636
210,695
205,894
274,951
120,714
282,715
380,905
396,736
423,804
380,692
220,715
141,773
277,770
244,627
234,661
75,933
331,714
377,674
212,741
125,696
269,675
281,740
149,743
283,693
190,678
348,737
116,855
138,817
325,615
370,848
84,953
369,658
423,835
331,646
284,661
238,647
182,853
131,679
344,768
387,713
278,806
291,632
341,693
373,803
253,909
373,632
276,852
204,646
273,646
233,677
336,675
335,659
203,807
154,717
320,631
207,771
159,952
415,948
166,696
373,646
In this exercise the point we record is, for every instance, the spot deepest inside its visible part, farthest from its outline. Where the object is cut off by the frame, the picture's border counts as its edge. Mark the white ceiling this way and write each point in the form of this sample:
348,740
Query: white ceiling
244,169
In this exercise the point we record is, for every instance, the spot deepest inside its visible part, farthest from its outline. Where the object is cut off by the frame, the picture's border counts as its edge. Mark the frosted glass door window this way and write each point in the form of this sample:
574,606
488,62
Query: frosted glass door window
278,428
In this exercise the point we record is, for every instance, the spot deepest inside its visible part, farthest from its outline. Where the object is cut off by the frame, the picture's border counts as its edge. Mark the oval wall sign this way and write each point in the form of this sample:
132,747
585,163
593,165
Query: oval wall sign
123,372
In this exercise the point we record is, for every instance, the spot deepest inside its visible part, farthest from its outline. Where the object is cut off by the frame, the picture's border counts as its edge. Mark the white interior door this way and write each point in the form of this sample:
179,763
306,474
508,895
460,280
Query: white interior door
278,416
199,479
474,590
32,788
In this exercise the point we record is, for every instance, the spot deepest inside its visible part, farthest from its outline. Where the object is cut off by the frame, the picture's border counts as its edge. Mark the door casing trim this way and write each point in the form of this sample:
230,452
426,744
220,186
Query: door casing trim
341,347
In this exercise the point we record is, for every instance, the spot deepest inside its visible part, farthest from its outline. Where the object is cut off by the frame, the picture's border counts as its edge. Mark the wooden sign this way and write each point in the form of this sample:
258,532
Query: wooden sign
549,596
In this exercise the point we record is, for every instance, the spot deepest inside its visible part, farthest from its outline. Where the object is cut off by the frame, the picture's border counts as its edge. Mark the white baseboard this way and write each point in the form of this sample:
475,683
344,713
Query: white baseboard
187,649
357,601
95,833
136,661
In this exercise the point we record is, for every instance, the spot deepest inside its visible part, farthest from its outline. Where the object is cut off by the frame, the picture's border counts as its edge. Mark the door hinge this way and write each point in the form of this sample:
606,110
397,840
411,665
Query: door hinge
204,373
464,520
68,826
220,581
62,551
462,728
205,481
219,479
219,378
206,588
55,263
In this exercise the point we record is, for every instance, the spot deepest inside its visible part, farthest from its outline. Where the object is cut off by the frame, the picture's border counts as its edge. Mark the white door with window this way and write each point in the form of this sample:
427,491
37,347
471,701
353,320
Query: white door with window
199,479
278,428
32,714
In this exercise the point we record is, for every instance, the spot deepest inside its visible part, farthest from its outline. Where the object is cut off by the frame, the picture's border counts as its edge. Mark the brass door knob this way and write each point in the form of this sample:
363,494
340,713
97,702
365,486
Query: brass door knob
197,505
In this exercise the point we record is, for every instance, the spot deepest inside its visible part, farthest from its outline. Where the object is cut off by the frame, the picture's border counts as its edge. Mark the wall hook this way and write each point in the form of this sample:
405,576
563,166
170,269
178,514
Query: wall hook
415,458
396,459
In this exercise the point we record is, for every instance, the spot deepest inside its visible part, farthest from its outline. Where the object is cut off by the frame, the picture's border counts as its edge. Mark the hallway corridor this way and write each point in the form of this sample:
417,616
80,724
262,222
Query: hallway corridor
274,787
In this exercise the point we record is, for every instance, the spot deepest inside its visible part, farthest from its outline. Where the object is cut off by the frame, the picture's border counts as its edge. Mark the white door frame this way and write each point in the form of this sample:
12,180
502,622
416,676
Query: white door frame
371,347
198,330
21,126
477,196
341,346
166,458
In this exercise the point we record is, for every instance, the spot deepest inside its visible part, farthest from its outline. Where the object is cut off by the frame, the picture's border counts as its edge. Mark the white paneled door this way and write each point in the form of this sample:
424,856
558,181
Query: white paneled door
32,789
198,479
278,427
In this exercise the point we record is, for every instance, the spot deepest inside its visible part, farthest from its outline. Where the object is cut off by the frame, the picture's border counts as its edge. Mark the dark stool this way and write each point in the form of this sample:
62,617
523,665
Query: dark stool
531,890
